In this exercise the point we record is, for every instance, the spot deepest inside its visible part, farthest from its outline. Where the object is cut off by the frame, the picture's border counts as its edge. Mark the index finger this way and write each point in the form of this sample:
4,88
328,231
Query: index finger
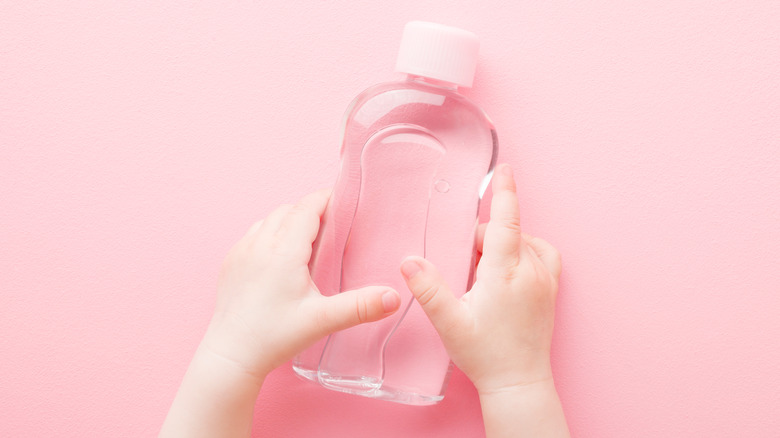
317,201
300,226
302,222
503,237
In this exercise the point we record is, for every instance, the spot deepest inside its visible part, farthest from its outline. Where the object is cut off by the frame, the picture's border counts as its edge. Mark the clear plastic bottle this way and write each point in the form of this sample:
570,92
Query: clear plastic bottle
416,158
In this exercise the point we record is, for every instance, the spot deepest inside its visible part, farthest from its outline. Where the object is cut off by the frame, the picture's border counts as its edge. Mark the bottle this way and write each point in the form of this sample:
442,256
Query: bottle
416,158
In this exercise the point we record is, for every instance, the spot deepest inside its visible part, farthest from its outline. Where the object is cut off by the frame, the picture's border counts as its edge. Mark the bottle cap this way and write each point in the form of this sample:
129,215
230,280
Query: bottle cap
438,52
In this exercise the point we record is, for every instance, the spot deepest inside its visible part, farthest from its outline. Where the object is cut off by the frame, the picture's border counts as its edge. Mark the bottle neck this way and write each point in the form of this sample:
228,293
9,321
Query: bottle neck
432,82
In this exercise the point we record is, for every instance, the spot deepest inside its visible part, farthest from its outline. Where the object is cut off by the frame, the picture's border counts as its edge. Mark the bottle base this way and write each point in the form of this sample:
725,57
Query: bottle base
305,373
407,398
361,385
371,387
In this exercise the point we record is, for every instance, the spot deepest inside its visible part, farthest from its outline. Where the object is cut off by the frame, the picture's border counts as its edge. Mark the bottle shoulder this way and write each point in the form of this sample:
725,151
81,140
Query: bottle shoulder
386,102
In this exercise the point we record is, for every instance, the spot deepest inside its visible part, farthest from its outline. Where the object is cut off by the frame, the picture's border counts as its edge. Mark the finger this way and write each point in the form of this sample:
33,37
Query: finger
253,229
503,240
547,253
304,218
301,225
479,236
317,201
350,308
430,290
272,222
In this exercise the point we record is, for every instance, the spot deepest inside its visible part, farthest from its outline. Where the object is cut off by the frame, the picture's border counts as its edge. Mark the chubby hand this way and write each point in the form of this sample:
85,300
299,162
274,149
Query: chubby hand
498,333
268,309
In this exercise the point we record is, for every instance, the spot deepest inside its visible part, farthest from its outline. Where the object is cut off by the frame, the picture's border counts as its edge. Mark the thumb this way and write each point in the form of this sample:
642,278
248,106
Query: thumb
433,294
350,308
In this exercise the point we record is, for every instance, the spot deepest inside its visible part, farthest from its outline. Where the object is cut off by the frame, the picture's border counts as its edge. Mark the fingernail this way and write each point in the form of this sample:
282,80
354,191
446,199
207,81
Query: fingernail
410,268
390,301
507,170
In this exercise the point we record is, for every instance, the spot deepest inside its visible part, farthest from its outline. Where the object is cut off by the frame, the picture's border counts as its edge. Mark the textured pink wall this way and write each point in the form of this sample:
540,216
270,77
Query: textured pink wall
139,139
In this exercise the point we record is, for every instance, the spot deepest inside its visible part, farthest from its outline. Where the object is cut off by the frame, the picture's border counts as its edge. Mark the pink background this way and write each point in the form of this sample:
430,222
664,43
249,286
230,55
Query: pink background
138,140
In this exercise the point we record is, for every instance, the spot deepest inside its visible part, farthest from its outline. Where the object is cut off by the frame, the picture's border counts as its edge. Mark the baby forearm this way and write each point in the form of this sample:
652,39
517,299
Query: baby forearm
216,398
532,410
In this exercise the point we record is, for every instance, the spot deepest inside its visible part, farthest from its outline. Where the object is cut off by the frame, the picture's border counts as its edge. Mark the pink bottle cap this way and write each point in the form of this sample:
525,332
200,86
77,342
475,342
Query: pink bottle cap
438,52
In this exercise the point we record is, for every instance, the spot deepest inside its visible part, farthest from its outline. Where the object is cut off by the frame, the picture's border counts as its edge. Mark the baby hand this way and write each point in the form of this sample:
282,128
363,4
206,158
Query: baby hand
268,309
499,333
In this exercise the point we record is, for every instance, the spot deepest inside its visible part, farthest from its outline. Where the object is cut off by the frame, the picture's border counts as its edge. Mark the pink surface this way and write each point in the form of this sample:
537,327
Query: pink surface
139,140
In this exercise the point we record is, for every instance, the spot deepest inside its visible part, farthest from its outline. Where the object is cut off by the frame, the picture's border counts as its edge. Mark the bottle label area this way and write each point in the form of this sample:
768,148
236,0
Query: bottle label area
399,170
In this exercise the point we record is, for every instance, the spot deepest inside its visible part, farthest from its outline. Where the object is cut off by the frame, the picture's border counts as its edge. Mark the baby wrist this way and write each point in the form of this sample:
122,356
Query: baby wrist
230,348
516,376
